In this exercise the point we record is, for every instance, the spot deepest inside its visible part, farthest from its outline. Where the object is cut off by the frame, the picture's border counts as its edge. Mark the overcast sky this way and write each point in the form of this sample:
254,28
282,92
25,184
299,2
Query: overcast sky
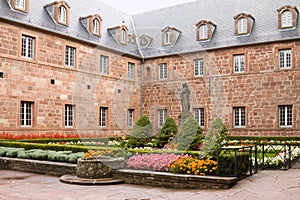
137,6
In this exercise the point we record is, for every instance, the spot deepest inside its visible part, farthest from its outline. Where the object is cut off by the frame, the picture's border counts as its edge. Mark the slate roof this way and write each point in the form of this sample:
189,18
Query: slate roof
183,17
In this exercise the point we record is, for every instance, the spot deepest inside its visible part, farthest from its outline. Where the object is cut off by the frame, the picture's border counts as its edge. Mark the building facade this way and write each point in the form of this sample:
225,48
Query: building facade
72,68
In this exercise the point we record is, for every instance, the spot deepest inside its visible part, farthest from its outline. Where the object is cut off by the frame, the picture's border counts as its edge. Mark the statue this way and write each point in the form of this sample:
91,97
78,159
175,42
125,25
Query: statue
185,98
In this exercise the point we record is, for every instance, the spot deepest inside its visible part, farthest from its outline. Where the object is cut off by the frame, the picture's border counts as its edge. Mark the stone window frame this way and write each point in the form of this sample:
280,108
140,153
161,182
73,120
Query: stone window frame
249,20
210,29
162,114
33,48
200,67
242,117
32,114
67,46
286,116
67,122
277,56
169,36
15,7
131,70
103,116
162,74
295,14
57,5
199,116
92,27
130,118
122,34
104,68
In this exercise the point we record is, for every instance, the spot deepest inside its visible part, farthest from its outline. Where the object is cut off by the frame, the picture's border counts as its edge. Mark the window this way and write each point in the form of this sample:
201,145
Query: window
198,67
286,116
130,118
203,32
131,70
103,117
199,116
123,36
242,25
62,15
26,114
239,63
20,4
70,56
286,19
27,47
162,115
168,38
103,64
239,117
96,26
69,116
285,58
162,71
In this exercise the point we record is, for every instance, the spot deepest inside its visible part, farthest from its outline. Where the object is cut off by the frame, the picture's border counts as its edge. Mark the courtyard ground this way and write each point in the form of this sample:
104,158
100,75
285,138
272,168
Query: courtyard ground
265,185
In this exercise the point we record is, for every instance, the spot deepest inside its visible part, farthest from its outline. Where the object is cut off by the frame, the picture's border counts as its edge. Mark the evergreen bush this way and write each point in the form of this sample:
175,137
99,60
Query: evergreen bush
166,134
141,133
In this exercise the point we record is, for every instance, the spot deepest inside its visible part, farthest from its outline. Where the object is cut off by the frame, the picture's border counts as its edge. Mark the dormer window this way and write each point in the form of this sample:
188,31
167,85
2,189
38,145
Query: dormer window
96,26
59,11
92,24
62,15
243,24
123,36
120,34
287,17
20,5
205,30
170,36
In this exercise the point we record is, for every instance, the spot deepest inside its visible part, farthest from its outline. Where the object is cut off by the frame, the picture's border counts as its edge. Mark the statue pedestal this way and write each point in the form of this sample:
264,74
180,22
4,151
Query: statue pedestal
182,117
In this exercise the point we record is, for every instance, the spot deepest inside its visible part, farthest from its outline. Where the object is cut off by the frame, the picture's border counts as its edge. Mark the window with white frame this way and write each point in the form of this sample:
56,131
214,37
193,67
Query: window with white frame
103,117
70,56
239,117
168,38
286,116
285,58
96,26
203,32
239,63
242,25
123,36
20,4
103,64
69,115
286,19
27,50
130,118
62,14
26,114
199,116
162,71
131,67
198,67
162,115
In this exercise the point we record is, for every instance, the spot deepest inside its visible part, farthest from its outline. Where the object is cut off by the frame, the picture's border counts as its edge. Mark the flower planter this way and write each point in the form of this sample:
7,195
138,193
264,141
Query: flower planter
98,167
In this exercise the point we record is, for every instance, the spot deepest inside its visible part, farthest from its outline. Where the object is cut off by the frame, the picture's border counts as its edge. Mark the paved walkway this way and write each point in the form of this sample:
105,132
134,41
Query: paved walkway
265,185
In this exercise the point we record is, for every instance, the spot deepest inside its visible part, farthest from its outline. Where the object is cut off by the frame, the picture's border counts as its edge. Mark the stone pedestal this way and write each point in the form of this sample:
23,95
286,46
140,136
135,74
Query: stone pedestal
98,167
183,116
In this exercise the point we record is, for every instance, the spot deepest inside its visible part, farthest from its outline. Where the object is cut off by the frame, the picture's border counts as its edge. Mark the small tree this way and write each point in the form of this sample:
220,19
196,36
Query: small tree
189,137
215,138
141,133
166,134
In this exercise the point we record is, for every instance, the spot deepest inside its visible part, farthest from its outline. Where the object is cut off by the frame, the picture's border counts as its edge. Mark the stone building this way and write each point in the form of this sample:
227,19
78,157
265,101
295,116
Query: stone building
74,67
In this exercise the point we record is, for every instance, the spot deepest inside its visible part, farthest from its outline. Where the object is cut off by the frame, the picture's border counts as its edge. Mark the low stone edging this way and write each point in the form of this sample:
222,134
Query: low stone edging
169,180
37,166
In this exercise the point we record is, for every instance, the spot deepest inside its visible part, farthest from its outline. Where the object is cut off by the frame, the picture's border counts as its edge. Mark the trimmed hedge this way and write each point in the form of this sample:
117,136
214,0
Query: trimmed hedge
262,138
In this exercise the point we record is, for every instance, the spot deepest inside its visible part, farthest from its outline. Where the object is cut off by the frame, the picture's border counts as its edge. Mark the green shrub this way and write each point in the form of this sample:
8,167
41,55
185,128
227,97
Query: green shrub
190,135
141,133
167,133
215,138
13,152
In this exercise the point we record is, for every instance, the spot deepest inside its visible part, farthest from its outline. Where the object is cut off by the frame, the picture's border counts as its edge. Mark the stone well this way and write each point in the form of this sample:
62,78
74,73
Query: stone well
98,167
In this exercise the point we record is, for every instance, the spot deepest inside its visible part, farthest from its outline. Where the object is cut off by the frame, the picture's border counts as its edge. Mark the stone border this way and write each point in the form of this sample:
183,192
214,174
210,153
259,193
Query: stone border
180,181
71,179
37,166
